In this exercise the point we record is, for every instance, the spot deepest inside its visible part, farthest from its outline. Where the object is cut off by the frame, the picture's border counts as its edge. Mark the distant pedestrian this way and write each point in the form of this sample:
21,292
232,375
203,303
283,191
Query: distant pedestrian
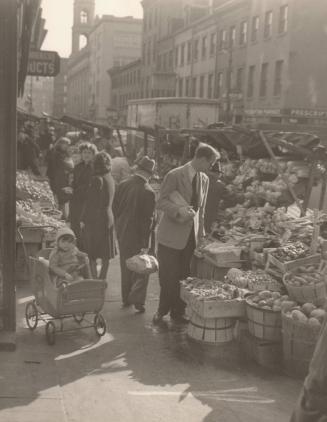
97,221
134,207
29,150
182,200
82,176
60,173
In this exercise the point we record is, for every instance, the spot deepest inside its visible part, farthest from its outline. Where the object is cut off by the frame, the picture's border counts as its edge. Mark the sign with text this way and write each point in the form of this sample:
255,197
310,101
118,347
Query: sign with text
43,63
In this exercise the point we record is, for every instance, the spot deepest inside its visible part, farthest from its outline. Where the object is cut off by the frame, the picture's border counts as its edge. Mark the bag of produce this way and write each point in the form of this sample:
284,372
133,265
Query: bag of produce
142,264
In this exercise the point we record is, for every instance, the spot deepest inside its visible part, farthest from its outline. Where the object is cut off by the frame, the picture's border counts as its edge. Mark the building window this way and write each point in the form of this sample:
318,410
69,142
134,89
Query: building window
176,56
83,17
263,80
222,39
251,75
182,54
194,87
187,87
189,51
255,28
196,50
243,33
239,79
204,47
268,24
278,77
201,94
213,41
210,86
180,87
170,59
283,19
232,36
159,62
219,84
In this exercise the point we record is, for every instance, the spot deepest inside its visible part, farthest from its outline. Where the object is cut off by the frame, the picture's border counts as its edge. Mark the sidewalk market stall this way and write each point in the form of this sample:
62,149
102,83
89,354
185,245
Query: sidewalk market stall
260,276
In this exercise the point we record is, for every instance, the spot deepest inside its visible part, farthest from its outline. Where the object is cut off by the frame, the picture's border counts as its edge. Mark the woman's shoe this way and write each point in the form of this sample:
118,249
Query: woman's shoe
139,308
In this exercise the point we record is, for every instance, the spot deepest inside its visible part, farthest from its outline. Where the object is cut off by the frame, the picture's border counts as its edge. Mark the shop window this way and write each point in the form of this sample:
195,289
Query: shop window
243,33
268,24
278,77
250,88
255,28
283,19
263,80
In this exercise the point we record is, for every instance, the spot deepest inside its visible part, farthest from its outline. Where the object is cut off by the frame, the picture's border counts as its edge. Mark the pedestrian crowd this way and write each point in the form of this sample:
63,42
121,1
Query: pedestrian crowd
105,199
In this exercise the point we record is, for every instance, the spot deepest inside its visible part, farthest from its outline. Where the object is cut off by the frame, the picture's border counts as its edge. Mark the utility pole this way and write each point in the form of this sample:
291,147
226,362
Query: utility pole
8,100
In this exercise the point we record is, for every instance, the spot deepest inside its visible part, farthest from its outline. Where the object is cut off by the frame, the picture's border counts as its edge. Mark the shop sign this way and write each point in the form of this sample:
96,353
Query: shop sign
43,63
318,114
263,112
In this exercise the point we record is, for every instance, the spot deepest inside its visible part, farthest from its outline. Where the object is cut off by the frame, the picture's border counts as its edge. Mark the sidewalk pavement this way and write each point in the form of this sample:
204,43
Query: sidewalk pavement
135,372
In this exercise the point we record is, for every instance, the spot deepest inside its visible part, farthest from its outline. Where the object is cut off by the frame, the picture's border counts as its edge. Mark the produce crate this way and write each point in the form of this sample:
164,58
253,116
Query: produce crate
263,323
290,265
218,262
210,330
265,353
213,308
315,293
299,342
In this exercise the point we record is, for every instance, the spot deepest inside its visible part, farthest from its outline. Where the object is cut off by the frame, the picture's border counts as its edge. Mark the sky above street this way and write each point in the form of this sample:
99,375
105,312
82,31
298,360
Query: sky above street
59,19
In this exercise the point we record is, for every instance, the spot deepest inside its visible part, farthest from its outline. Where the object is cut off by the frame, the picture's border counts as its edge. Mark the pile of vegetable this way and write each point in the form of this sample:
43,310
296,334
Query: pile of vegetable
253,280
307,314
304,276
211,289
27,214
29,188
272,301
291,252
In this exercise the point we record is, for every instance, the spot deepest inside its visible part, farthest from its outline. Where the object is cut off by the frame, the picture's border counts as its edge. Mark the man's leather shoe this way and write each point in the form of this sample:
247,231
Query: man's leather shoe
157,318
139,308
125,305
182,319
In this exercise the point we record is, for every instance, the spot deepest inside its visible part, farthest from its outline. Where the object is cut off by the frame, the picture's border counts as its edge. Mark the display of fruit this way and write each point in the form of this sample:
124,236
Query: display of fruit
253,280
29,188
28,214
211,289
272,301
304,276
308,313
291,252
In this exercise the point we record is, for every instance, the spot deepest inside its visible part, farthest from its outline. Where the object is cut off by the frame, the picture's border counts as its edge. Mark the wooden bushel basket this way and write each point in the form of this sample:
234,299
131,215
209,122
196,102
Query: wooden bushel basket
315,293
299,342
263,323
210,330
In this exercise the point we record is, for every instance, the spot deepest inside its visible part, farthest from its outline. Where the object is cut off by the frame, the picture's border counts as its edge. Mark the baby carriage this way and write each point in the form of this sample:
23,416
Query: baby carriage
81,300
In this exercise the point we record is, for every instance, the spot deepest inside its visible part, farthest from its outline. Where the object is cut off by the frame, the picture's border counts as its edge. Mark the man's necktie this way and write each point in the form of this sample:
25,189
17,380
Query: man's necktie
194,198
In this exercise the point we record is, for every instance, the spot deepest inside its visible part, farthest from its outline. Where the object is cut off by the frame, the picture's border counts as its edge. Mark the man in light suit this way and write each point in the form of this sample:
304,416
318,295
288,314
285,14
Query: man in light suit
182,200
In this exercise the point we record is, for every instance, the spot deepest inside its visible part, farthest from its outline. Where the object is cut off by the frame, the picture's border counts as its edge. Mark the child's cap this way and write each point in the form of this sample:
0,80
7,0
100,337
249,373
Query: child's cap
65,231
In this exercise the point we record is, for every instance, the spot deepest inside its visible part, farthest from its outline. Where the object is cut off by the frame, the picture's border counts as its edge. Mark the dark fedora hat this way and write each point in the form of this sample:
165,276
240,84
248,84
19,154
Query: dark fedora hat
145,166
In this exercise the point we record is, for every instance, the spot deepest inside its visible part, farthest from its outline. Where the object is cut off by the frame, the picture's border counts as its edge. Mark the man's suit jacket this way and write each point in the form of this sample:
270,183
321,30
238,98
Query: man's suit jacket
133,208
171,232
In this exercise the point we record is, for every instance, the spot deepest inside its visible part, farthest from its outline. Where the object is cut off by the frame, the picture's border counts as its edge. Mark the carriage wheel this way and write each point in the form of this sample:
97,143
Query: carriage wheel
79,317
100,325
50,333
31,315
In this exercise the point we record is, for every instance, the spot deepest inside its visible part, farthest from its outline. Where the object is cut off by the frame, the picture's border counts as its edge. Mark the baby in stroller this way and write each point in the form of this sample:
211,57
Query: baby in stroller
66,262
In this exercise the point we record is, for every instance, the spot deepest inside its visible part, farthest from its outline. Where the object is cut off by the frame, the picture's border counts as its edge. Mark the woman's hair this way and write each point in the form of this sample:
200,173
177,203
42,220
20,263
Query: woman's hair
87,146
102,163
60,142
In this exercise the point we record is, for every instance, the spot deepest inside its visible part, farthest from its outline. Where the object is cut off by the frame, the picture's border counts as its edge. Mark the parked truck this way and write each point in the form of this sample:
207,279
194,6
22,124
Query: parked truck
173,113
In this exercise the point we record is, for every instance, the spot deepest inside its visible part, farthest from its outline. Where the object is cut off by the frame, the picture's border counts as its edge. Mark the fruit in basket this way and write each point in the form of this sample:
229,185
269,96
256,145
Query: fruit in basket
319,314
290,252
265,299
307,308
287,305
314,322
298,315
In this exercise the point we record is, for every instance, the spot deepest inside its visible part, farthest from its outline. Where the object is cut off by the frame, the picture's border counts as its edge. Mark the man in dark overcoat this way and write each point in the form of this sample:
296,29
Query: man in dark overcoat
134,210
